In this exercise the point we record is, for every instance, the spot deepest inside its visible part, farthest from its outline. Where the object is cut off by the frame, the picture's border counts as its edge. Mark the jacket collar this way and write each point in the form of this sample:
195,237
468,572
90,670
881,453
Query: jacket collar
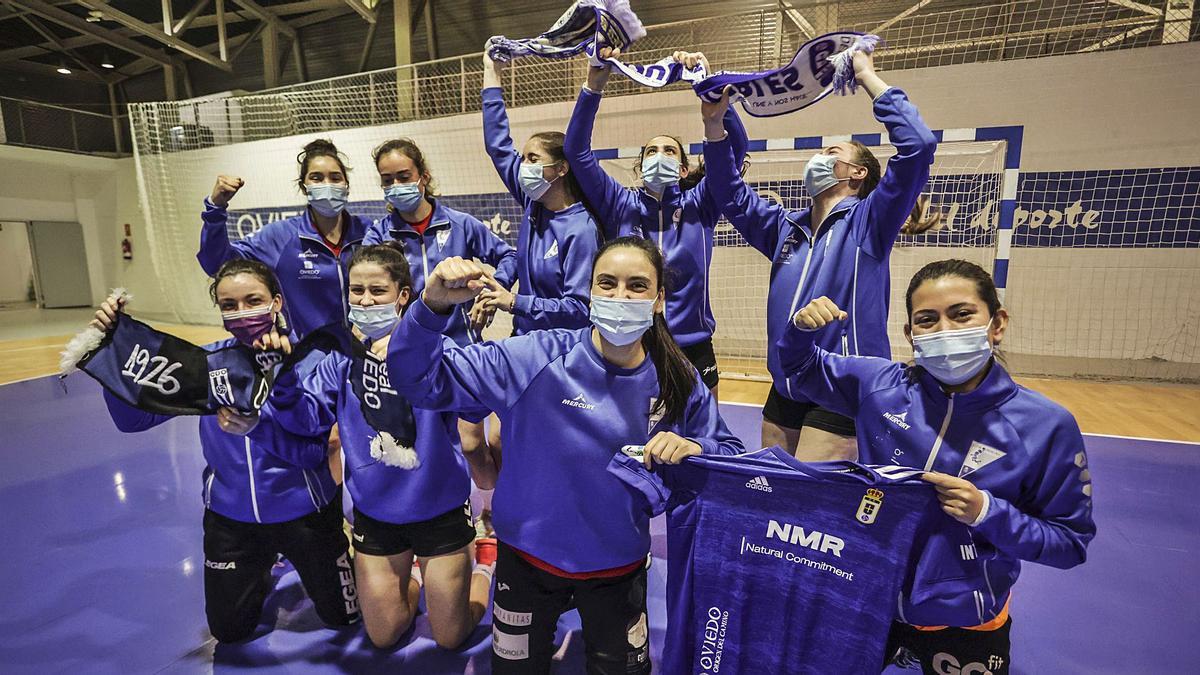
996,388
670,197
803,218
353,230
439,219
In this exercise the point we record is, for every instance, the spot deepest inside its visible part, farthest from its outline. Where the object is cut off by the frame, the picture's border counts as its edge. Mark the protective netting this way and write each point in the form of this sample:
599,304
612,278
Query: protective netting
1089,247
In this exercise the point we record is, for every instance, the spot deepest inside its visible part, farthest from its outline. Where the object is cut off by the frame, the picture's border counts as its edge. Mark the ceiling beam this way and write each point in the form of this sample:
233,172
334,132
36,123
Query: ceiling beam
142,28
320,17
267,15
236,44
37,26
186,22
363,10
64,18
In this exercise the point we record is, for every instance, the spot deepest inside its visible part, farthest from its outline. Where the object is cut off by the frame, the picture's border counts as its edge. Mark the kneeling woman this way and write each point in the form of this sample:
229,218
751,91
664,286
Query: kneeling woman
1007,462
404,468
569,401
266,491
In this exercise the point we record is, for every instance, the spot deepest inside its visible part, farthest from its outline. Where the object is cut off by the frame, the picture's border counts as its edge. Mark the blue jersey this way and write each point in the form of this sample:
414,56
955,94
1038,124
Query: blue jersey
779,566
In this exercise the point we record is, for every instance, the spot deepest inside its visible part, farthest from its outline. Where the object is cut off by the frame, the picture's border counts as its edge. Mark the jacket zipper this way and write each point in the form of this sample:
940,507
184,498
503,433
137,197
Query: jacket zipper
937,444
812,244
660,248
253,491
208,489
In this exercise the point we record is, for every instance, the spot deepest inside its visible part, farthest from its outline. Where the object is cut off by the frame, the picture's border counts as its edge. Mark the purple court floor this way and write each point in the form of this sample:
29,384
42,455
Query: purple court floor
102,560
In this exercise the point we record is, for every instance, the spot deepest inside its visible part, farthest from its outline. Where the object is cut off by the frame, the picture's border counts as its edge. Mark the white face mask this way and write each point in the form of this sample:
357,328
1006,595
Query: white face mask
327,199
818,174
375,321
660,171
953,356
621,321
533,180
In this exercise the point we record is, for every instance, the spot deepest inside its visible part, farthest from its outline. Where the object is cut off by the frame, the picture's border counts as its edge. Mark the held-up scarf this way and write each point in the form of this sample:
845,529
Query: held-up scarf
611,23
386,411
821,66
165,375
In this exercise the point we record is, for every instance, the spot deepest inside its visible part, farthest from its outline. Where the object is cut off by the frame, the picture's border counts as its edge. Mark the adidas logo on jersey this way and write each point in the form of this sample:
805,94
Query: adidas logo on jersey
900,420
552,252
759,483
578,402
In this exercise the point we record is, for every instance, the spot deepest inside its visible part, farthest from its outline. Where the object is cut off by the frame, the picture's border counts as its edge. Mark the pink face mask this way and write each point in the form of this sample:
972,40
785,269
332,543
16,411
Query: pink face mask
250,324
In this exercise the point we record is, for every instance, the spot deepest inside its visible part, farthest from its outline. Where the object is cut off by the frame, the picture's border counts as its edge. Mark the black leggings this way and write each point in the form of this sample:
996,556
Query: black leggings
238,558
527,605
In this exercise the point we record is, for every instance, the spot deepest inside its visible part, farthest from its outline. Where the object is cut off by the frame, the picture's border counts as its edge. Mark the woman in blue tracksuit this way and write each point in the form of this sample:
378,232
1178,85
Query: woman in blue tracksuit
308,253
570,400
409,488
266,491
430,232
681,222
1008,463
558,236
840,247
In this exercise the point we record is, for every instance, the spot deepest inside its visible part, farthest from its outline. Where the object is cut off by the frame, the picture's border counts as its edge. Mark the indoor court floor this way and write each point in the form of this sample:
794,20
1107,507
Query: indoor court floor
103,557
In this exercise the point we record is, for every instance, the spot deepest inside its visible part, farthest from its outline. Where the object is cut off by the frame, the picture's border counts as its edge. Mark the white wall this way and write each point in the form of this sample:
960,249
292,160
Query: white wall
16,262
98,193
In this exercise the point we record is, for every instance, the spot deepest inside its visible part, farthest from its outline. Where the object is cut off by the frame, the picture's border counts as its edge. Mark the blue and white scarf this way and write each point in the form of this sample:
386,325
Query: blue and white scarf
609,23
821,66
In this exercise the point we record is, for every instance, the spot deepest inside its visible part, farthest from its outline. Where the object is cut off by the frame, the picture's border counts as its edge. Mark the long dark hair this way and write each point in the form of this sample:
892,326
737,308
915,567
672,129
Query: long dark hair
388,255
322,147
676,375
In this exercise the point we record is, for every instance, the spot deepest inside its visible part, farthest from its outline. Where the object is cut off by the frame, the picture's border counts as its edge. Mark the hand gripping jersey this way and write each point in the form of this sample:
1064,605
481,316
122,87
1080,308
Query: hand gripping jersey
777,566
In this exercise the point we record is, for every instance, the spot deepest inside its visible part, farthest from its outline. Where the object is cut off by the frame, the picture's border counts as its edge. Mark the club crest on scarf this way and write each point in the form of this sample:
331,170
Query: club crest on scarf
160,373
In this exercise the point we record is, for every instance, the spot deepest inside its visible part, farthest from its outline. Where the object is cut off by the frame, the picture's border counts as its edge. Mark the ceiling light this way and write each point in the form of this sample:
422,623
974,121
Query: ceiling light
95,16
64,70
106,64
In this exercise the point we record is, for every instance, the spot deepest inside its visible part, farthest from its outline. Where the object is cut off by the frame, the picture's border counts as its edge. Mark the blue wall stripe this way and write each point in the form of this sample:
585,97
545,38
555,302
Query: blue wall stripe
1008,209
867,139
1013,135
695,148
807,143
606,153
1000,272
757,145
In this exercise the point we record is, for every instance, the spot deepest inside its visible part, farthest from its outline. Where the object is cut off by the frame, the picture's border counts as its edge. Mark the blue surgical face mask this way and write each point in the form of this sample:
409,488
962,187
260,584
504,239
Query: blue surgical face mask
622,321
660,171
819,176
375,321
327,199
404,197
533,179
953,356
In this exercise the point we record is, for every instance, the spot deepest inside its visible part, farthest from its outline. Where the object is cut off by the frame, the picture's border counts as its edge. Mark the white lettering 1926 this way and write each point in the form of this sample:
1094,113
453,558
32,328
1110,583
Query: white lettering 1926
160,367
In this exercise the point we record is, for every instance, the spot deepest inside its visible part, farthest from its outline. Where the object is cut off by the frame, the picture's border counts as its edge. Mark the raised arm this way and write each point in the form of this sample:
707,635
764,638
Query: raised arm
496,136
1055,524
615,205
575,254
838,383
215,247
484,376
758,220
907,171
